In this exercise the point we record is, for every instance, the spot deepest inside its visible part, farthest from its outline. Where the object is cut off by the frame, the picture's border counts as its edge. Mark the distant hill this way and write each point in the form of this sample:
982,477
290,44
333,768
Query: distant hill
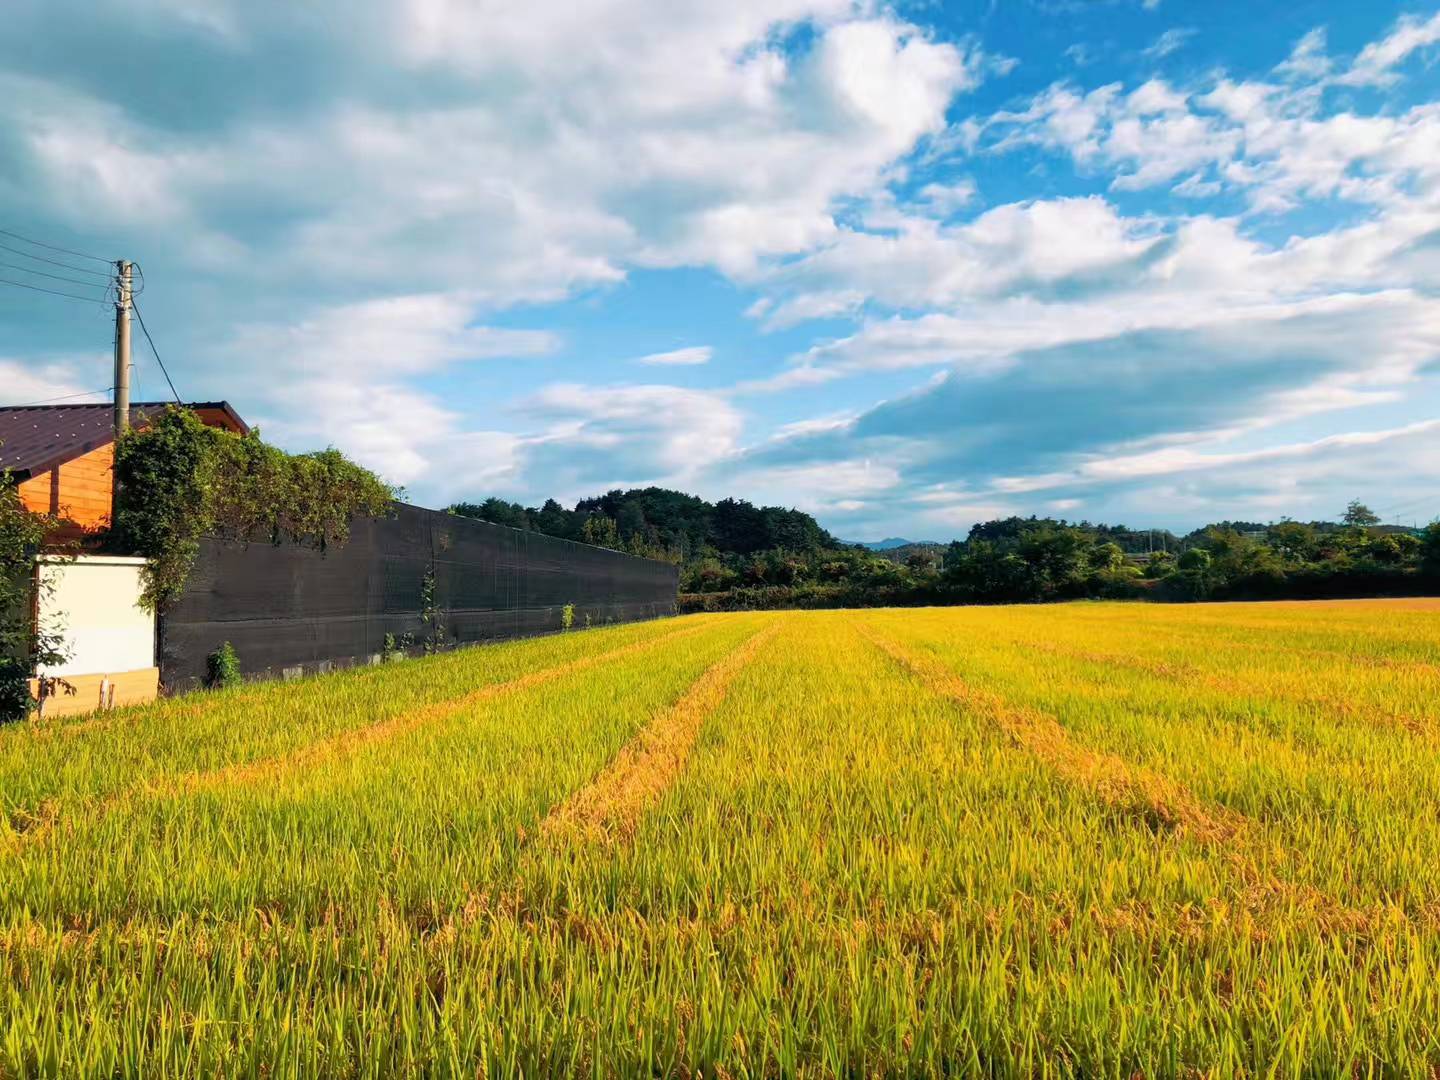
891,543
660,523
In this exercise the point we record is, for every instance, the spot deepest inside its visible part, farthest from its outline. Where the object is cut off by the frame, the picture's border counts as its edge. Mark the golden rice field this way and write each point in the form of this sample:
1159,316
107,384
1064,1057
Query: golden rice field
1088,840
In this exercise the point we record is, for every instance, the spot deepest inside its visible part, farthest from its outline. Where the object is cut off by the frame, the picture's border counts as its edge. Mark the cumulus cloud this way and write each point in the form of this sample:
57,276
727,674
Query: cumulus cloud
1141,404
1270,140
593,438
333,228
687,357
338,236
1170,41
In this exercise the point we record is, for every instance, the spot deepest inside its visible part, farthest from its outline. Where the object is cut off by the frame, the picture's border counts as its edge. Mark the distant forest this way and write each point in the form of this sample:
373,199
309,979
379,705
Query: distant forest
734,555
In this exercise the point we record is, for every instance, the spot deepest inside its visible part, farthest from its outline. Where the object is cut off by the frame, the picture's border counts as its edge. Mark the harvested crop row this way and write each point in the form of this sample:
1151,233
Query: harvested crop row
350,741
1153,797
609,807
203,732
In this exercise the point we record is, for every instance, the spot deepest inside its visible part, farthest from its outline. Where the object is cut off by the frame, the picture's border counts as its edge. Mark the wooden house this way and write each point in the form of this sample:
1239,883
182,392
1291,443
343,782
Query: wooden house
62,455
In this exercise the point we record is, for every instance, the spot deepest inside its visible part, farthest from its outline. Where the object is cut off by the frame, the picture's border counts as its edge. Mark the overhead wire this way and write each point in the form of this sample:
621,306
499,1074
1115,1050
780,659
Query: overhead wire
47,274
55,262
109,278
63,397
52,247
146,330
53,292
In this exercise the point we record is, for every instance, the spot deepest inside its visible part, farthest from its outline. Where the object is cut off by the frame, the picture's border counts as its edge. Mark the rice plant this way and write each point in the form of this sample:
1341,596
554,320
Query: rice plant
1085,840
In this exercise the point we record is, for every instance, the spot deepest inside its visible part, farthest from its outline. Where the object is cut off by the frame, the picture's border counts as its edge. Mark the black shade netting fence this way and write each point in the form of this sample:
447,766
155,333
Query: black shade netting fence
418,579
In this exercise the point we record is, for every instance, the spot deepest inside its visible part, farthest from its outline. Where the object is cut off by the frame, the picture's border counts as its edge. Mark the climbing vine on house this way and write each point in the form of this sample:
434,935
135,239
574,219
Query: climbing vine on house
181,481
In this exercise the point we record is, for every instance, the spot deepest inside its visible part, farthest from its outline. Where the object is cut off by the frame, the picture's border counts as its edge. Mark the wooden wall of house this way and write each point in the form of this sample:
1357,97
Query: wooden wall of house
78,491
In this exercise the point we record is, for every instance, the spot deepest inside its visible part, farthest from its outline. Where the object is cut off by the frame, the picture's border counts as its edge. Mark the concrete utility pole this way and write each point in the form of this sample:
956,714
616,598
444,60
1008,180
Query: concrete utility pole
122,348
122,370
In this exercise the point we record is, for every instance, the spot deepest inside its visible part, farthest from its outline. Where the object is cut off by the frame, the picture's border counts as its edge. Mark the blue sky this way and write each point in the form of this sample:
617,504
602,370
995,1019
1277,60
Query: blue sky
906,267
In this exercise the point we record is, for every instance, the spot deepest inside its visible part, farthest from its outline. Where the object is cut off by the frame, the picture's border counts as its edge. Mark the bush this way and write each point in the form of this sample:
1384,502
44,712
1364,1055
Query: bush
222,668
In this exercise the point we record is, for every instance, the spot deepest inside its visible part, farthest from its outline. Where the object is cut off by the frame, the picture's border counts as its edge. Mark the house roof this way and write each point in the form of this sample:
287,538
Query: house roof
34,438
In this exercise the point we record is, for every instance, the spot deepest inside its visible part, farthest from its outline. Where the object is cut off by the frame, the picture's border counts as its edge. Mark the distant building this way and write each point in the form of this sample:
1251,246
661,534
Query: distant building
62,456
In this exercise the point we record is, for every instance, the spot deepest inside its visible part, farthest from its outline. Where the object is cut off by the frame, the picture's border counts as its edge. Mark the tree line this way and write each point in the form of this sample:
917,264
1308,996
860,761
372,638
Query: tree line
734,555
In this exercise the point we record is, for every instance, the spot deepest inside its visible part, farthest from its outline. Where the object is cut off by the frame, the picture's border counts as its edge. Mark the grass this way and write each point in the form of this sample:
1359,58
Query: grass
1088,840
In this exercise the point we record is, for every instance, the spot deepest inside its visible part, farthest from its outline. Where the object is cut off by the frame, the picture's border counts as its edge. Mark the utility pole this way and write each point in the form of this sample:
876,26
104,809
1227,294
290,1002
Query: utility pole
122,370
122,348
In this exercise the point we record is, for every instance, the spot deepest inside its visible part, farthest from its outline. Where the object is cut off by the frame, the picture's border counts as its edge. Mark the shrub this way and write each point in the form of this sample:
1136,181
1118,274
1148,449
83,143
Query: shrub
567,616
24,645
222,668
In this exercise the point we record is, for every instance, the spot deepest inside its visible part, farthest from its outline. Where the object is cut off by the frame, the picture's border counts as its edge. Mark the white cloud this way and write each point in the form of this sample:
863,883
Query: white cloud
595,437
944,199
1170,41
695,354
1376,63
398,335
28,382
1308,60
1267,139
335,258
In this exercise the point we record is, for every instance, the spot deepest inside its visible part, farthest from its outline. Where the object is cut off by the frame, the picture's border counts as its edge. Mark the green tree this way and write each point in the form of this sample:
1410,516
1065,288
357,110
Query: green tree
922,561
1107,556
1159,564
1058,558
1196,559
495,511
1293,540
1430,550
1358,515
599,530
553,520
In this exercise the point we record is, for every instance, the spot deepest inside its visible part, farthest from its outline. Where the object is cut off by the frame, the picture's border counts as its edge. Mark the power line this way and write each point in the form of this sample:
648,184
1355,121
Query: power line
145,329
1407,505
52,247
53,292
66,397
42,273
54,262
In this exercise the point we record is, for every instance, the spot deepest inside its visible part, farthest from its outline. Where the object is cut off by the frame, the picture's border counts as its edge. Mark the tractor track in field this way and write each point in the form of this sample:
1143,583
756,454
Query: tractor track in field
35,827
348,742
1156,799
1150,796
609,807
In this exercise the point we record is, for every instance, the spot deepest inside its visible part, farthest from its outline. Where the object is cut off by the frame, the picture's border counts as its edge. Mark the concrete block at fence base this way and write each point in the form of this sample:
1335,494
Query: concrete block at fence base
93,692
290,674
